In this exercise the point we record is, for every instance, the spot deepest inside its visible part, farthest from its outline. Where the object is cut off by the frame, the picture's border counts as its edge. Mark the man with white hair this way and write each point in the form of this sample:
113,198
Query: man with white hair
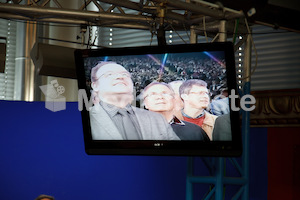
178,101
159,97
113,118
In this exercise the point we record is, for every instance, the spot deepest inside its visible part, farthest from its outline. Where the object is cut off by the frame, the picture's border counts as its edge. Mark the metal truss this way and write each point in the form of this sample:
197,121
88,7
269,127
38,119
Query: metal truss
216,166
171,14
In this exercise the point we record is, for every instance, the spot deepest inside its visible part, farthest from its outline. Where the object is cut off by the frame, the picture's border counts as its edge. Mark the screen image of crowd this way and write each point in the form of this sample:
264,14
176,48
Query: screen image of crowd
209,67
148,68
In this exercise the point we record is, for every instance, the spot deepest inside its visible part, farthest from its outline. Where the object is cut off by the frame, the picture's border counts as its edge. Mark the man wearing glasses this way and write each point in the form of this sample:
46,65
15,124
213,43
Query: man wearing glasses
159,97
113,117
195,96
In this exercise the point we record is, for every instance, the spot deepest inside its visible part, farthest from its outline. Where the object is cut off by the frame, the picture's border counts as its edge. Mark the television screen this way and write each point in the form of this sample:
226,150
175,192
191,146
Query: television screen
159,100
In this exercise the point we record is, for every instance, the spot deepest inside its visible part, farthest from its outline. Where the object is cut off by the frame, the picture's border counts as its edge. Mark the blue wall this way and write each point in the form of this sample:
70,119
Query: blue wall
42,152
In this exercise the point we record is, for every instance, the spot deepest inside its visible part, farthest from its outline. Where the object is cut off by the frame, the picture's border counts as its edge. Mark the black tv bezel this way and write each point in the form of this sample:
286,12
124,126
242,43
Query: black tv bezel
151,147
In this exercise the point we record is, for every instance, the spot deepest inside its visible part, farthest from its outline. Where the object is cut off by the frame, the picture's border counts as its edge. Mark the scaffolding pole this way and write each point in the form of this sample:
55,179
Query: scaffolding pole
217,166
246,115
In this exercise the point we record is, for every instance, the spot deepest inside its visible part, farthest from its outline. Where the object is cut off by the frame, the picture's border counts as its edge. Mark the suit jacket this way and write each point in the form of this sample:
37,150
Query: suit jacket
153,125
222,130
188,131
208,123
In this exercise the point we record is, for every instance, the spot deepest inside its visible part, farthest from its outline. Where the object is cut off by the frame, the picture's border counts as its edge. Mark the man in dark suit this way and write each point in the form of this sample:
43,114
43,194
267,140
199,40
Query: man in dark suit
222,129
159,97
113,117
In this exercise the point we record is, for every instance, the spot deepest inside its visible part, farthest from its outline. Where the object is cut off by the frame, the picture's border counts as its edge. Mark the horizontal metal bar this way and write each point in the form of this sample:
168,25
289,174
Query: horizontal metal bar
234,180
42,12
205,3
202,179
193,8
212,180
141,8
77,22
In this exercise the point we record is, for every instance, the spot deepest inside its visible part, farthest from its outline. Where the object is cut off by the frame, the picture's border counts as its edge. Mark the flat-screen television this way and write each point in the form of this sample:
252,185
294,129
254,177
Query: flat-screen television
175,98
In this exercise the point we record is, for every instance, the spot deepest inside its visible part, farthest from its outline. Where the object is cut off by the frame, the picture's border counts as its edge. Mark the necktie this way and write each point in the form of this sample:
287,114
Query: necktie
129,128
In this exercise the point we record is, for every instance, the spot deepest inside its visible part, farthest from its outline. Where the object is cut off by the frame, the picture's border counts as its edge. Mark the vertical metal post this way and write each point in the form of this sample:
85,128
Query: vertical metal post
222,31
220,161
190,163
193,37
246,115
161,37
189,184
29,70
219,178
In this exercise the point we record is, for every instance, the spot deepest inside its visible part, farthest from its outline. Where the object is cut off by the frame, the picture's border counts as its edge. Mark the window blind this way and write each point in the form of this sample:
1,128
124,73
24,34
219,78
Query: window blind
7,86
278,65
